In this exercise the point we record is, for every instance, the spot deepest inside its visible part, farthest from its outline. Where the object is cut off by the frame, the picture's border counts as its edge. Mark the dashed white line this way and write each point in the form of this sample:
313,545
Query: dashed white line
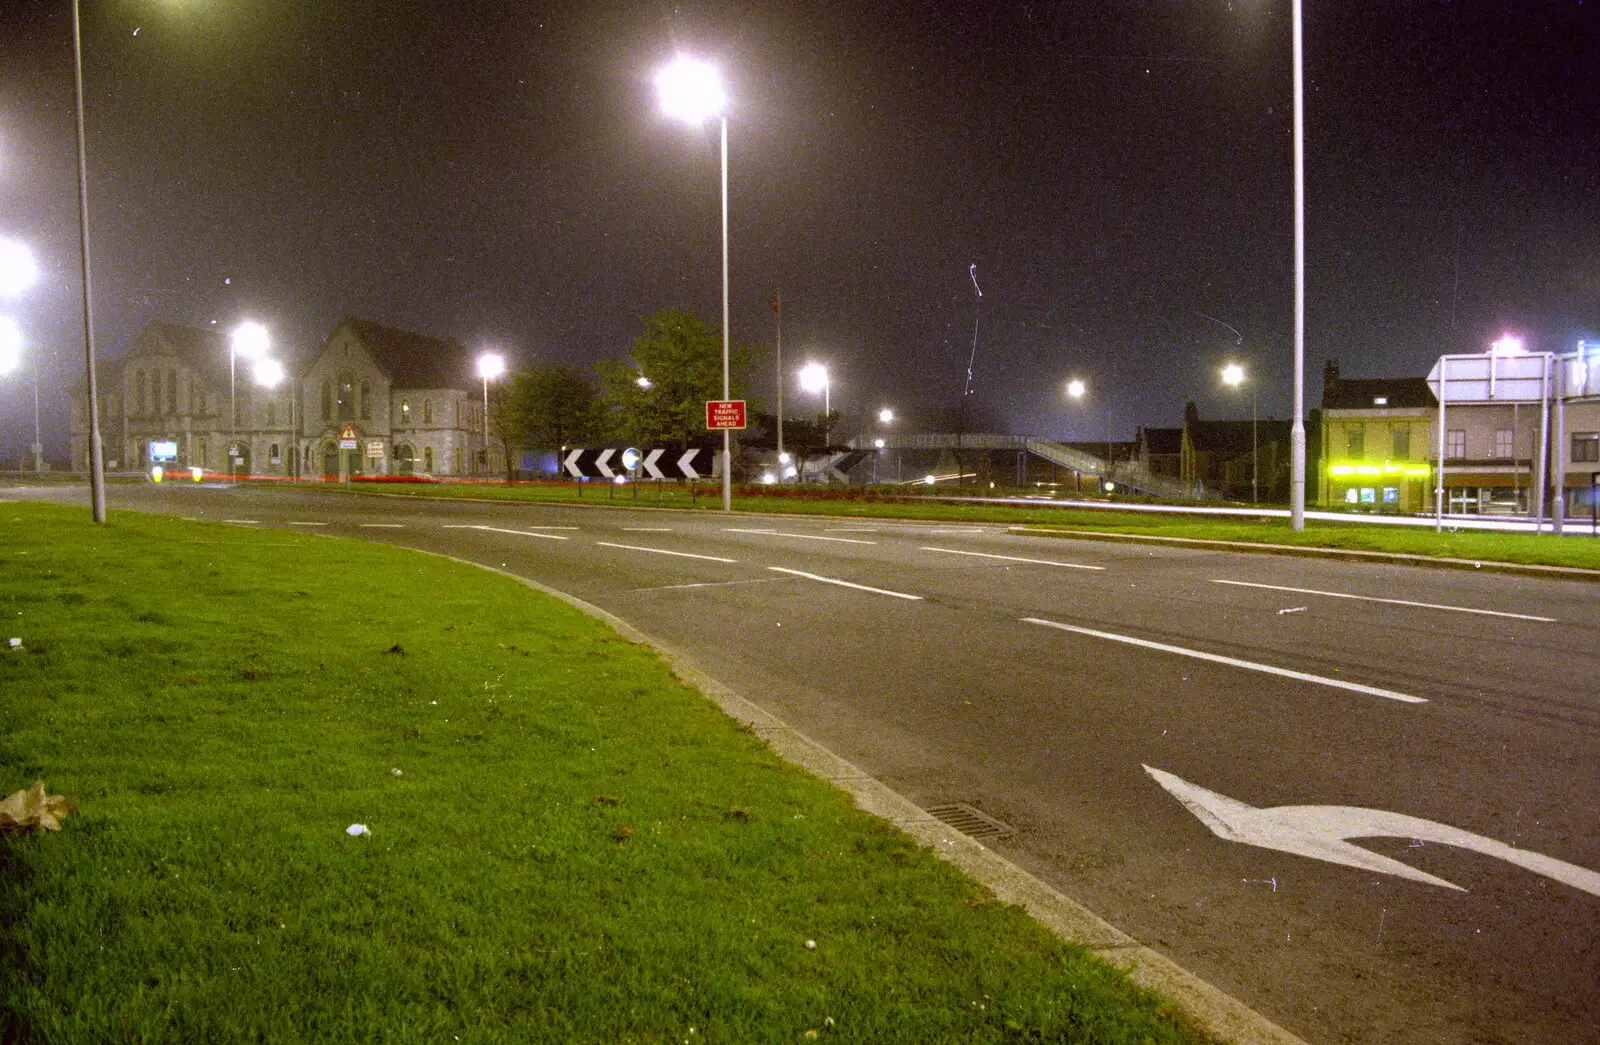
382,526
1215,658
969,529
662,551
1392,602
519,533
852,529
707,584
846,584
802,536
243,522
648,529
298,522
1013,558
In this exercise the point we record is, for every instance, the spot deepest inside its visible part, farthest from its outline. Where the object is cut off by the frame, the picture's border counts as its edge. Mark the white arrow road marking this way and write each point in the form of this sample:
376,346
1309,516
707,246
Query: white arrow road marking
650,460
1392,602
294,522
663,551
802,536
1319,832
382,526
519,533
571,464
846,584
1013,558
1216,658
685,467
601,466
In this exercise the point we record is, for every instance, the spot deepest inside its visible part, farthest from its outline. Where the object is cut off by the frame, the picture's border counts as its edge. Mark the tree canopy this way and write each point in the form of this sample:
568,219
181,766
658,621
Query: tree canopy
680,359
550,407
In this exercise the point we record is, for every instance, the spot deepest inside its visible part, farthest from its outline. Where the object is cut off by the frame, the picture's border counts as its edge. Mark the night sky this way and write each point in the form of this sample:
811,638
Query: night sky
1119,172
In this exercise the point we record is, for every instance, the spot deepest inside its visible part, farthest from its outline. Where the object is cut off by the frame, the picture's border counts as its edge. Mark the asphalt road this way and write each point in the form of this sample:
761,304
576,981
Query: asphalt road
1036,679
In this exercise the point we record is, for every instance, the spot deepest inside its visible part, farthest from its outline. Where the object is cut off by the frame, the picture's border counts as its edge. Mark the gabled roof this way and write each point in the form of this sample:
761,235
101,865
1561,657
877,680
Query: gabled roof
1235,437
410,359
1363,393
1162,440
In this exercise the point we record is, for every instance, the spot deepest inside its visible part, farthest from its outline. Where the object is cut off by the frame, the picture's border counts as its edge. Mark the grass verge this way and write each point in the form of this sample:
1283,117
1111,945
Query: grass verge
1578,551
566,844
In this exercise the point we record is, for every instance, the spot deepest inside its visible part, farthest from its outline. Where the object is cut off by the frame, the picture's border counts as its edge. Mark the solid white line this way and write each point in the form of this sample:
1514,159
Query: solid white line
519,533
802,536
648,529
1013,558
244,522
293,522
382,526
852,529
846,584
1392,602
663,551
970,529
1355,687
707,584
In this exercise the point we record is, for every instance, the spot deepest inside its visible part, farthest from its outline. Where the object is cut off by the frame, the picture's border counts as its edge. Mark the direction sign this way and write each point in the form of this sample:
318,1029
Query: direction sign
1491,378
725,413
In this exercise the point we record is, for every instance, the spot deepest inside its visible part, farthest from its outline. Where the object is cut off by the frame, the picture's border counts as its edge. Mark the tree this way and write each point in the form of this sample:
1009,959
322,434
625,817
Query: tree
680,360
551,407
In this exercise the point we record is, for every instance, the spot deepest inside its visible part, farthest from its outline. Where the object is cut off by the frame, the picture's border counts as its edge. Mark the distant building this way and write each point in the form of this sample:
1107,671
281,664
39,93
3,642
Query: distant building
409,400
1161,451
1375,440
1235,457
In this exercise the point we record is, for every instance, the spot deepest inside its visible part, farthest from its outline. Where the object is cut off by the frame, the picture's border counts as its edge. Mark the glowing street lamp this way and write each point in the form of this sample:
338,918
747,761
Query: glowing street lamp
644,382
1508,345
490,366
886,416
1233,376
814,379
18,270
1076,388
692,91
250,340
10,345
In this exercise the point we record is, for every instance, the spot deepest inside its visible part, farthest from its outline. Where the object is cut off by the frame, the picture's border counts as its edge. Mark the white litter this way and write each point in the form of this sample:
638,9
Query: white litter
15,643
357,830
811,945
395,772
1292,609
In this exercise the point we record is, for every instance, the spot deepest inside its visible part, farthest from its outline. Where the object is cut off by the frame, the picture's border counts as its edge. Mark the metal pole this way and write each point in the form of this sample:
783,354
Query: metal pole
1297,433
1438,493
486,425
38,443
1541,454
1558,450
777,309
727,436
1255,497
97,464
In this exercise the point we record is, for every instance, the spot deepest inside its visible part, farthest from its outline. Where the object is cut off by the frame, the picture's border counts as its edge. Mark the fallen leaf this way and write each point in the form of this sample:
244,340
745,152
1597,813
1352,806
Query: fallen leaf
742,815
623,833
606,800
32,810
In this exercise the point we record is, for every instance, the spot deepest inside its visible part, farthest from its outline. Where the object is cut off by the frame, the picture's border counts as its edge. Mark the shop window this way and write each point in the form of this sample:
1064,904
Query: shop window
1455,443
1586,446
1504,441
366,400
1391,495
1400,443
1352,496
1356,443
1369,495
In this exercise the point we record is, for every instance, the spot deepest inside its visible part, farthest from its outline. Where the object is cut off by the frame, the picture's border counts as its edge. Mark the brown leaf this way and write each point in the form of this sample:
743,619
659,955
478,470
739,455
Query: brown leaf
623,833
32,810
741,815
605,800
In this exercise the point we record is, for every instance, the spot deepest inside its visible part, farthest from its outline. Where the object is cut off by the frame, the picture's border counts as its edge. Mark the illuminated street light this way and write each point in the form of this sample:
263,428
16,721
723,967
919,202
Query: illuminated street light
692,91
1076,388
251,341
644,382
18,270
886,416
1508,345
10,345
1233,376
268,373
490,366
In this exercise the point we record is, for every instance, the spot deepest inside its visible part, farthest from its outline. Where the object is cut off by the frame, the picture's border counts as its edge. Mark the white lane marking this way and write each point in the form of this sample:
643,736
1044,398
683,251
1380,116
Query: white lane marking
970,529
296,522
1215,658
243,522
707,584
1013,558
802,536
475,526
662,551
519,533
1392,602
1319,832
648,529
846,584
382,526
852,529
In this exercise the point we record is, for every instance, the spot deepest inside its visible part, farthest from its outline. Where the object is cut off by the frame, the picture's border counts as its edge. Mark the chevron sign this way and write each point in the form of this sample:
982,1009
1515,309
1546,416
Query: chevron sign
660,463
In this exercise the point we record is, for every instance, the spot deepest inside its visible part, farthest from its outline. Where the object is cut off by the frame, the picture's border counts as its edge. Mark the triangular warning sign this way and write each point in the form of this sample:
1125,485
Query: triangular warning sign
348,433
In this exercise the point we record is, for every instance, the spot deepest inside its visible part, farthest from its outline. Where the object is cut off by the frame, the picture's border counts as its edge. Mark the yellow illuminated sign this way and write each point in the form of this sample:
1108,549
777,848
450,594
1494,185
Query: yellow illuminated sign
1345,469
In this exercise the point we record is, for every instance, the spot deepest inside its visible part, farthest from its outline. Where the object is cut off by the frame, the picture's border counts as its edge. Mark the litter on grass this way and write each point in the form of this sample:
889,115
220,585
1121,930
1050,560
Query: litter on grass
30,809
357,830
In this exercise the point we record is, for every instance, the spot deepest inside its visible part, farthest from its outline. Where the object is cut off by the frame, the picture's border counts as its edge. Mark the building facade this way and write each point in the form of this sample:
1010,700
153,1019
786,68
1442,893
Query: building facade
1375,439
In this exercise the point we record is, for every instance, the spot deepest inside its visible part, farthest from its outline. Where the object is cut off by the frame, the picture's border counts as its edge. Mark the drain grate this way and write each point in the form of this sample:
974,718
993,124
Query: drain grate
972,822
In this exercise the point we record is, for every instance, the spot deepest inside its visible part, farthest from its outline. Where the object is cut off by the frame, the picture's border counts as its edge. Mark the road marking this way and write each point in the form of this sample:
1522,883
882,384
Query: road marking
519,533
1319,832
296,522
382,526
846,584
1392,602
969,529
243,522
802,536
852,529
1354,687
662,551
1013,558
706,584
648,529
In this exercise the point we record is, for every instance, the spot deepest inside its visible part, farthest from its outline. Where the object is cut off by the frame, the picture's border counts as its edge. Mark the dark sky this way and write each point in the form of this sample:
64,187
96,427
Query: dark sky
1118,171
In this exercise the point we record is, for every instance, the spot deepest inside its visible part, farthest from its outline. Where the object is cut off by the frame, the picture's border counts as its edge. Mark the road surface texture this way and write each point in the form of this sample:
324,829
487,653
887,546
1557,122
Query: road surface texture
1138,717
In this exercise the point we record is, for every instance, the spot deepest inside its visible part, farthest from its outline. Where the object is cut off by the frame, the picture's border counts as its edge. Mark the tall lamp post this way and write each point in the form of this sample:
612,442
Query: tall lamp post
249,340
1233,376
692,91
814,379
490,366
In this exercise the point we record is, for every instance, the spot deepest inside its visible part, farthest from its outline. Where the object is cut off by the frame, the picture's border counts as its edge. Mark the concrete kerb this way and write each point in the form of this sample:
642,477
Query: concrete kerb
1215,1010
1573,573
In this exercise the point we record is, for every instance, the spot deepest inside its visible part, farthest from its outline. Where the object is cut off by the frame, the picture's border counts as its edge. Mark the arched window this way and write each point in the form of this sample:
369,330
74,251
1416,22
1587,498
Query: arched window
141,393
347,396
327,401
427,411
459,469
366,400
405,459
172,391
272,413
155,392
405,411
273,454
427,459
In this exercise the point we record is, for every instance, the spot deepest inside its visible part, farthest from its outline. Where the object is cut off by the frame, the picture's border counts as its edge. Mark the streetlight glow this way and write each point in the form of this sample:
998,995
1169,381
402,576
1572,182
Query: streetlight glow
18,270
644,382
1233,375
10,345
1508,345
814,377
690,90
1076,388
267,372
250,340
491,365
886,416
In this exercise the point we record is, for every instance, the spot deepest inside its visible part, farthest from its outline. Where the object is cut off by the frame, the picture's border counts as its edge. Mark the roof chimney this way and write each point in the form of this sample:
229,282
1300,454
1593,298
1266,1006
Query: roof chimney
1330,372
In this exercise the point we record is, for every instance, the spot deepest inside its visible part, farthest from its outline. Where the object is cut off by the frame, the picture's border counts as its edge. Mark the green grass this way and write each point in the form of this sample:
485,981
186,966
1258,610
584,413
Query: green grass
899,503
577,847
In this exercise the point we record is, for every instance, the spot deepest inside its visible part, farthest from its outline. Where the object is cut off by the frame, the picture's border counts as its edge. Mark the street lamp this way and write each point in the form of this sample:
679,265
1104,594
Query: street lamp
1076,388
490,366
18,270
814,379
269,373
886,416
692,91
249,340
1233,376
